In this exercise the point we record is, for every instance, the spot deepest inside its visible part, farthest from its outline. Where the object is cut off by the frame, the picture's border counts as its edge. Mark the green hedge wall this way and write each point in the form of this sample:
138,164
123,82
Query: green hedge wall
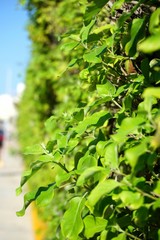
89,118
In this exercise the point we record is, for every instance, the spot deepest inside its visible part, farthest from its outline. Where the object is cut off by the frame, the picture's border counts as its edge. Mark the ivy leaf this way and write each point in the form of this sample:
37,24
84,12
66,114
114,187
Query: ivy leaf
93,225
103,188
72,223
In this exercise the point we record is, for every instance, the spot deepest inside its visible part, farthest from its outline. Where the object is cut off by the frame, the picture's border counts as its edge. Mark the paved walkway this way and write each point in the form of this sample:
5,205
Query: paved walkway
11,226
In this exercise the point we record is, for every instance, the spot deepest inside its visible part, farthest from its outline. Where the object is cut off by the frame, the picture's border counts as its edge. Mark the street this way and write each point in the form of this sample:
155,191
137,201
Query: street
11,226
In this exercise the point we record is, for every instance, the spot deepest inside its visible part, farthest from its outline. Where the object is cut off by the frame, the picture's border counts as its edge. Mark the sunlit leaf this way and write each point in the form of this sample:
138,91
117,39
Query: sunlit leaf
72,223
91,120
92,175
136,35
150,44
45,196
34,149
85,31
103,188
128,126
154,24
32,196
93,225
152,91
107,89
132,200
111,156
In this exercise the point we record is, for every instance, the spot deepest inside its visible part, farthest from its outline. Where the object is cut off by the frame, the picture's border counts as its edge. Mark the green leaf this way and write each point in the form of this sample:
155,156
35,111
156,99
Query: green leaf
91,58
133,154
156,204
86,30
117,5
92,120
32,196
107,89
152,92
86,162
136,35
157,188
150,44
61,175
28,174
34,149
69,46
35,166
84,74
140,216
111,156
100,148
72,62
45,196
154,24
132,200
93,8
62,140
128,126
92,175
93,55
79,115
93,225
121,236
72,223
103,188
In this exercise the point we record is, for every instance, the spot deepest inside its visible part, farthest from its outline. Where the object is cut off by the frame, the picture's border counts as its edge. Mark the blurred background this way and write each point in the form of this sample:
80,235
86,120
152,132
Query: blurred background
14,55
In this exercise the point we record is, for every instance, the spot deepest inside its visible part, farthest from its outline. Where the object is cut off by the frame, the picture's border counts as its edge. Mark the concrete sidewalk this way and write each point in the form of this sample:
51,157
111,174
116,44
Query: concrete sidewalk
11,226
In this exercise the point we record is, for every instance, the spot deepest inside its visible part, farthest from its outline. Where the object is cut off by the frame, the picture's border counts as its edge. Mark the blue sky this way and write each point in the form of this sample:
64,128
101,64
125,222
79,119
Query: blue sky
14,46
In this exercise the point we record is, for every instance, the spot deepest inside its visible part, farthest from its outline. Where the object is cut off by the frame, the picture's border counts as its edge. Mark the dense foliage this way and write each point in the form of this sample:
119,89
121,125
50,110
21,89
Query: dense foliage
91,105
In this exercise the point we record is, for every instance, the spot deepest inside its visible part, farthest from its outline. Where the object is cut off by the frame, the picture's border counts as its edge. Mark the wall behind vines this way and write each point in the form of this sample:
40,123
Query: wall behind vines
91,107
